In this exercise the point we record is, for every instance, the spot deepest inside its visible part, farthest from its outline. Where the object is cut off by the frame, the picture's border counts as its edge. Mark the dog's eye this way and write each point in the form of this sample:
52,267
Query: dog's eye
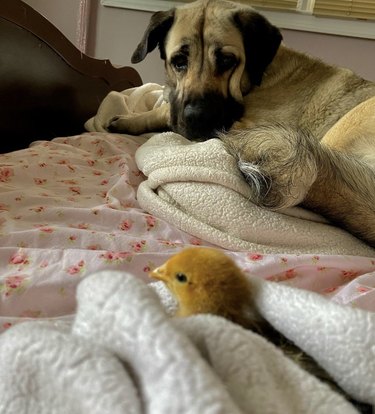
179,62
181,277
225,62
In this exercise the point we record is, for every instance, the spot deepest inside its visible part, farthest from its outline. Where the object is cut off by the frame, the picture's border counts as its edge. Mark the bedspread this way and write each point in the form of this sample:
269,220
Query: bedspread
69,208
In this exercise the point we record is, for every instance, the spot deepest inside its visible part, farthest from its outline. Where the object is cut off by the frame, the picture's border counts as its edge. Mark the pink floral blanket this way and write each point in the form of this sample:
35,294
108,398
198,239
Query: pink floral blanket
68,208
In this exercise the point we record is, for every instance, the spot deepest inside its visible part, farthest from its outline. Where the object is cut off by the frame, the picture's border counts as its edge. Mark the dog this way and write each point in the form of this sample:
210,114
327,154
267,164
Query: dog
301,130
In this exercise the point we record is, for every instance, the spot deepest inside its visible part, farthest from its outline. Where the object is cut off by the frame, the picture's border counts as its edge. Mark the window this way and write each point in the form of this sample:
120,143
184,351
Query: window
354,18
147,5
273,4
356,9
359,9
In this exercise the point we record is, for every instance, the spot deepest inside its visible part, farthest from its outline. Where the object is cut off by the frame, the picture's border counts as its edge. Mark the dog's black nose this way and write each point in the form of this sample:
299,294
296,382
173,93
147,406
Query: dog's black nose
200,120
195,112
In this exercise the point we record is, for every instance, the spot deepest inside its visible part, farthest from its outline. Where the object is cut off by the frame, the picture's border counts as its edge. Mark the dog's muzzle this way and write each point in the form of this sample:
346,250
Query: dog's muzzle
203,117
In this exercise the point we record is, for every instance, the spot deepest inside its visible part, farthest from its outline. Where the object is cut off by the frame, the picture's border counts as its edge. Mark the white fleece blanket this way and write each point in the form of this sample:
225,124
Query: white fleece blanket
124,354
197,187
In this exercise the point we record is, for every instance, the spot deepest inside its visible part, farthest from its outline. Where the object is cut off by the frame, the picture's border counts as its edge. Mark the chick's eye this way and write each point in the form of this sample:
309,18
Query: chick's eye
181,277
179,62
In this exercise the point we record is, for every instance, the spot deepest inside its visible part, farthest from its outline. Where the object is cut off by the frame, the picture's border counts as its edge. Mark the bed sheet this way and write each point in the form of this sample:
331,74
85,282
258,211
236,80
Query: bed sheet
68,208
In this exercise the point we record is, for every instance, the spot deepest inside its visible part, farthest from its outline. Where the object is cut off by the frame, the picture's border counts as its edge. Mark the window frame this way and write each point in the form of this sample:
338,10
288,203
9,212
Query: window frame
302,20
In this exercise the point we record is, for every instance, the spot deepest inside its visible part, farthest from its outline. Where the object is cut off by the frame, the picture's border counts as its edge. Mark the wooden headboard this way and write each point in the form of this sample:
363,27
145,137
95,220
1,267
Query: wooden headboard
48,88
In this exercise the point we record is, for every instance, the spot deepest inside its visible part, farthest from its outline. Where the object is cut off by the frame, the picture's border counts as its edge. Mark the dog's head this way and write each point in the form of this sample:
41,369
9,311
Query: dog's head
215,52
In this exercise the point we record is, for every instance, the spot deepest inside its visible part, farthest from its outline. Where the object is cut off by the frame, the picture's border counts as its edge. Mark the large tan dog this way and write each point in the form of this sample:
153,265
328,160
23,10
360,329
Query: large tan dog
228,75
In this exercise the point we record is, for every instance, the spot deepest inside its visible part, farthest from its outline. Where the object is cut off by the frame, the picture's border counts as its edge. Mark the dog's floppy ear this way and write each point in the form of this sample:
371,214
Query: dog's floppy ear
154,35
261,41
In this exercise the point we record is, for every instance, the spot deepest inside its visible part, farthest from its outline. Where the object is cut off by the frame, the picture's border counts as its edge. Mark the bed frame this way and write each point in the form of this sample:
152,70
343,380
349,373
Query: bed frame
48,88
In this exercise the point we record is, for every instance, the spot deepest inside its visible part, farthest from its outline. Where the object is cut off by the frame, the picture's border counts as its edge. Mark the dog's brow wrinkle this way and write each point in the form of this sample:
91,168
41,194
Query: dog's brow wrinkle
202,41
185,48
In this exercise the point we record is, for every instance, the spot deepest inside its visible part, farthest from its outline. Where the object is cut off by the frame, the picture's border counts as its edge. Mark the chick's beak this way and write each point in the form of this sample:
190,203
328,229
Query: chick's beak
159,273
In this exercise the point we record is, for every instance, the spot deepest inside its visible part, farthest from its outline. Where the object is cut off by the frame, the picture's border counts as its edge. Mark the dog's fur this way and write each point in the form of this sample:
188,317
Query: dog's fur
228,75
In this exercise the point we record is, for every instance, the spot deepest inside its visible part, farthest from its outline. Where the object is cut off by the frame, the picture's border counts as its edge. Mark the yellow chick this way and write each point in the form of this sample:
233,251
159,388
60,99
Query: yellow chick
206,280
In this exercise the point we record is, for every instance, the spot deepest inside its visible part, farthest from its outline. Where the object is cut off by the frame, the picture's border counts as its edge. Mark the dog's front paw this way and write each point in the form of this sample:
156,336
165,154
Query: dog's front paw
125,124
278,163
156,119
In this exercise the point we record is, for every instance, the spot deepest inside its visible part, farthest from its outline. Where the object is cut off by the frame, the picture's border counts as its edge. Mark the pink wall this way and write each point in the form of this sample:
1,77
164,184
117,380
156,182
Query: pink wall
114,34
354,53
71,17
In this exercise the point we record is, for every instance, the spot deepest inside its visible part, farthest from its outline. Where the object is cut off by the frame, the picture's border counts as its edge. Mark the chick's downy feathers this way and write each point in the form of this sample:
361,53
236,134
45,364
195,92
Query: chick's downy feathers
206,280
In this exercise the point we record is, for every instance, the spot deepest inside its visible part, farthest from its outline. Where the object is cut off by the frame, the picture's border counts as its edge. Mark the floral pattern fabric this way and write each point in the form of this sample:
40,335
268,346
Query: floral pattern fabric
68,208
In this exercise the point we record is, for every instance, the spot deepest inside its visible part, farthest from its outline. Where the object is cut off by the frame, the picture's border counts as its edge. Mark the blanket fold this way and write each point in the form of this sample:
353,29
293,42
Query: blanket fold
123,354
340,338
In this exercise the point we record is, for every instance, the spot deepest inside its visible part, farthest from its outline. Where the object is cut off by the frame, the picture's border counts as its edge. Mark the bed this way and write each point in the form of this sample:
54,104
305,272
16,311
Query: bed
85,214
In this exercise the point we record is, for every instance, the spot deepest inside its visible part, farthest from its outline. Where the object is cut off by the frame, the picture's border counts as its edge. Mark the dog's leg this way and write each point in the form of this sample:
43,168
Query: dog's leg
277,162
155,120
355,132
344,192
286,167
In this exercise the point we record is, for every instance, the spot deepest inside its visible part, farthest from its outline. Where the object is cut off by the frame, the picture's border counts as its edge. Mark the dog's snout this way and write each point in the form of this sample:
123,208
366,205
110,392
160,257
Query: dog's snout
201,117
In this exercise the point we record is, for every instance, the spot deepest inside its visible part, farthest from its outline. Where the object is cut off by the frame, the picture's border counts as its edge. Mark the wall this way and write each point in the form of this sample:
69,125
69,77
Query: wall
115,33
354,53
71,17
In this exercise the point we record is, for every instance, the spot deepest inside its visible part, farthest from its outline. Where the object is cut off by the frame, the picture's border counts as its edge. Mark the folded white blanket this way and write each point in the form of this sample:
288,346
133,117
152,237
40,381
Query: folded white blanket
198,188
131,101
123,354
